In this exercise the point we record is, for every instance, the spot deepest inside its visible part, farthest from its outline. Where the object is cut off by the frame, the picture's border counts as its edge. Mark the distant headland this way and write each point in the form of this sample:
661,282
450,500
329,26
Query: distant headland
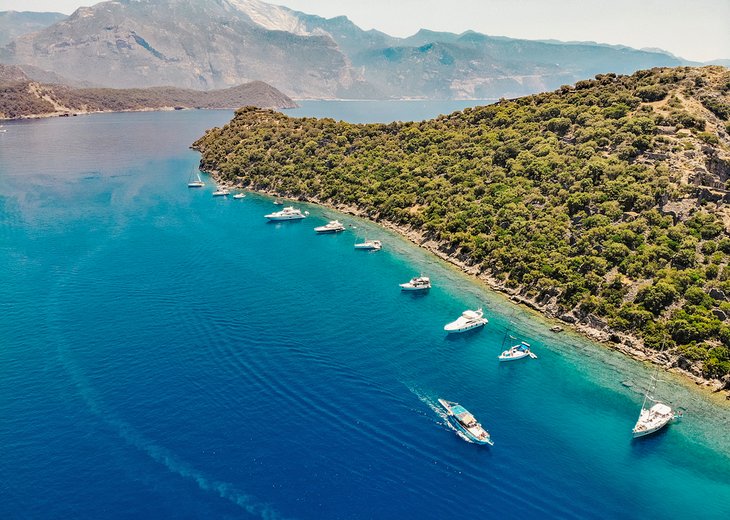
21,97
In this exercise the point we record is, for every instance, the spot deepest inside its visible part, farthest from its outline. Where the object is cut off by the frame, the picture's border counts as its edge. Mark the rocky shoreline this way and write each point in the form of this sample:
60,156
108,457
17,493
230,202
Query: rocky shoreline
590,326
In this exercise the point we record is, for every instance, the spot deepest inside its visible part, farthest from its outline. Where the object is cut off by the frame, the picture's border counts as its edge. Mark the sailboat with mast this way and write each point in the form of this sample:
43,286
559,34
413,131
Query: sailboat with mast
653,417
194,181
518,351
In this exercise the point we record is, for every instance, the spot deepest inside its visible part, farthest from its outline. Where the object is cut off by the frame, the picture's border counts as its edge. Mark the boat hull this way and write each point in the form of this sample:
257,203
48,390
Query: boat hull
289,217
328,231
456,329
513,358
196,184
649,431
406,287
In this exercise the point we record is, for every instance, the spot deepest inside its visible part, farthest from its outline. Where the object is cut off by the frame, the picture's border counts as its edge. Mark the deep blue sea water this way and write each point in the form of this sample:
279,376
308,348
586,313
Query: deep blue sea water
165,354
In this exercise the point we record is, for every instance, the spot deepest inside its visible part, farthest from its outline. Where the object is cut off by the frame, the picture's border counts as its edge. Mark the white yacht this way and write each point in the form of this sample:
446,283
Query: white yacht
333,226
654,418
372,245
288,213
221,192
419,283
239,196
468,320
195,181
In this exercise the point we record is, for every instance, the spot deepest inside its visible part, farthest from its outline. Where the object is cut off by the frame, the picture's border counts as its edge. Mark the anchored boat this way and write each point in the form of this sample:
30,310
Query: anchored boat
333,226
371,245
468,320
419,283
194,181
288,213
466,423
520,351
654,418
221,192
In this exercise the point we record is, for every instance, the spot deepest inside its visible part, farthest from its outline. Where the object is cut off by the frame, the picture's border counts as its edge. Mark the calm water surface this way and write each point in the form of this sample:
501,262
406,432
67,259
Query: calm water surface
164,354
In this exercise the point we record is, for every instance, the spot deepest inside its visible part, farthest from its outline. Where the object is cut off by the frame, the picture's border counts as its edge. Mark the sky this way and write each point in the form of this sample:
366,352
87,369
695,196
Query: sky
693,29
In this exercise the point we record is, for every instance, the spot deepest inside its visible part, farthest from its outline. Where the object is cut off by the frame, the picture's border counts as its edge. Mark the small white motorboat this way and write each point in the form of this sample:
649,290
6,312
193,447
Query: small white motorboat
333,226
419,283
467,321
221,192
239,196
288,213
371,245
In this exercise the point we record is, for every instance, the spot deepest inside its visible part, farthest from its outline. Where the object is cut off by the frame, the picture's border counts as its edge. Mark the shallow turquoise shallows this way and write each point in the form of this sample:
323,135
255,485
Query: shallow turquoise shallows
167,354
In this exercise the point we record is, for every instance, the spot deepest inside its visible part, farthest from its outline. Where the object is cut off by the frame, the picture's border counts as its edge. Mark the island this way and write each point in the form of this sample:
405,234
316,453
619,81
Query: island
603,204
22,97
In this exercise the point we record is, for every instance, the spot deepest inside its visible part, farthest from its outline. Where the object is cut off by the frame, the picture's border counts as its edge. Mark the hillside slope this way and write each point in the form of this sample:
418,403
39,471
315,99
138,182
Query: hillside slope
15,23
604,204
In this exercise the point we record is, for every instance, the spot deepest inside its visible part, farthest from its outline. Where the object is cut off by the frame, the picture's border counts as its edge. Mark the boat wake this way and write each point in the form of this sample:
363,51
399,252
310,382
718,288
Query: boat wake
123,429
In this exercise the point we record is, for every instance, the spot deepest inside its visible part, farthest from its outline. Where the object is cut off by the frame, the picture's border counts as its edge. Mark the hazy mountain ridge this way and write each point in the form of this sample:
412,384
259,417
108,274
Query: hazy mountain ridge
18,23
218,43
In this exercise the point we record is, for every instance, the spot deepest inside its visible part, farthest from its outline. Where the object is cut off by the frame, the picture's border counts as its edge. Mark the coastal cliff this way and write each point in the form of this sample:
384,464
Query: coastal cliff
603,204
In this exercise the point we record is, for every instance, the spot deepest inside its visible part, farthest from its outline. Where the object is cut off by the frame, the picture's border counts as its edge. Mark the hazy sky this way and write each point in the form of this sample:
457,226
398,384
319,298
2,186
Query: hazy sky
694,29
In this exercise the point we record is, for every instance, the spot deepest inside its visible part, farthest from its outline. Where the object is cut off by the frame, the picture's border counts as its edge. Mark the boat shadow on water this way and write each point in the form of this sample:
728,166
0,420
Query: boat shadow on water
462,336
416,295
285,222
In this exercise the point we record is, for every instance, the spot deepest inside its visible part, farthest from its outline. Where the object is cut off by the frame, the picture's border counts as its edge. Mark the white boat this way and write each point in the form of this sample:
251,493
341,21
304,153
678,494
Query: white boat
465,421
278,203
468,320
520,351
288,213
333,226
419,283
194,181
239,196
654,418
372,245
221,192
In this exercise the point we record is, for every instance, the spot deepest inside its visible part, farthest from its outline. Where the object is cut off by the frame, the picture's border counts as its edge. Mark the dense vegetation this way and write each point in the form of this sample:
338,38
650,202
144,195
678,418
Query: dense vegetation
21,97
604,202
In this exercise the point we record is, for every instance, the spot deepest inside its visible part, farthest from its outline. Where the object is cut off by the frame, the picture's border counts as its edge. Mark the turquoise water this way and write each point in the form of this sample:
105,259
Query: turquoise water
165,354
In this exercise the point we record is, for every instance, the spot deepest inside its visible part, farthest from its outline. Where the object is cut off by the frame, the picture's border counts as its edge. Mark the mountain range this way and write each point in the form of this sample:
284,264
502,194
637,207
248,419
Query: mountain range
207,44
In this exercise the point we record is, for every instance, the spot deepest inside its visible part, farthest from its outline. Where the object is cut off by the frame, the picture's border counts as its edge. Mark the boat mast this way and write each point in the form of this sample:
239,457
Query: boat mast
506,333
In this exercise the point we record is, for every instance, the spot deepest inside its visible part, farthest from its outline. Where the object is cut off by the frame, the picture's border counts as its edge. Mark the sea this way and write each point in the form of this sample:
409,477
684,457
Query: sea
167,354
